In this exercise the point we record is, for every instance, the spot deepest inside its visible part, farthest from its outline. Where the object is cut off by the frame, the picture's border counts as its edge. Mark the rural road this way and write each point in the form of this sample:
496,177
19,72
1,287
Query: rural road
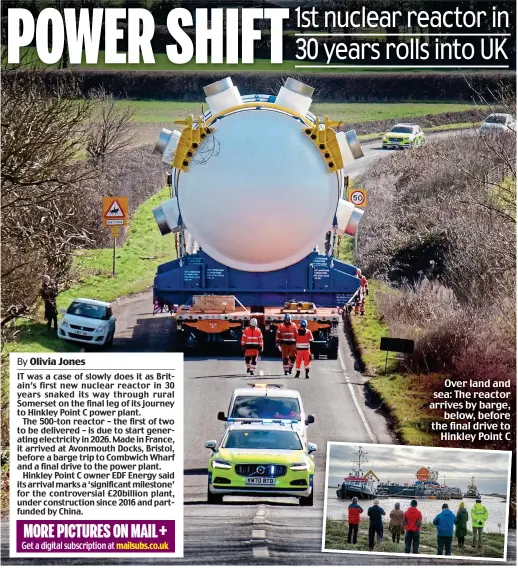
254,531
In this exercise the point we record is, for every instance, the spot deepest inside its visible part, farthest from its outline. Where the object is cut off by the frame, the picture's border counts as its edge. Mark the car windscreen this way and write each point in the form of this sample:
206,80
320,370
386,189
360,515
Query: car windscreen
88,311
402,129
263,440
265,407
494,119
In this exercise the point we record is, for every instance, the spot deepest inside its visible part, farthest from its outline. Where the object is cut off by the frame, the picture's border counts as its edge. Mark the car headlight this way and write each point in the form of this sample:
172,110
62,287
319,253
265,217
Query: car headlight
102,327
300,466
64,322
217,464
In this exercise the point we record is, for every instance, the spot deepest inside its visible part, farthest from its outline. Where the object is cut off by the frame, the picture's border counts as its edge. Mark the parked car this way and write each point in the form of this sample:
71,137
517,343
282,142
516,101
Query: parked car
498,121
261,402
404,136
87,321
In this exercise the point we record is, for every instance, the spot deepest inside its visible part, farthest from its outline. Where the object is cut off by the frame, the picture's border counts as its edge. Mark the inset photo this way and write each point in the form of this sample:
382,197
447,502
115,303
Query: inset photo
415,500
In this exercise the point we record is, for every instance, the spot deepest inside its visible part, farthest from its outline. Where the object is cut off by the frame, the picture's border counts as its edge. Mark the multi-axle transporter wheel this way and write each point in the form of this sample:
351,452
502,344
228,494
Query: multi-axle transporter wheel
332,349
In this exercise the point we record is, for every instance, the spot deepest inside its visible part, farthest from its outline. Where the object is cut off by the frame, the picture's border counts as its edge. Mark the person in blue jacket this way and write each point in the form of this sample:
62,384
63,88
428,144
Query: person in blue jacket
445,522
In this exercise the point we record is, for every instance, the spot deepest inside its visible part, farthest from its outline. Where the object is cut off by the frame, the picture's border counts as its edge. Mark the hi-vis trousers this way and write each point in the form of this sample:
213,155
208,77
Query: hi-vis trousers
303,356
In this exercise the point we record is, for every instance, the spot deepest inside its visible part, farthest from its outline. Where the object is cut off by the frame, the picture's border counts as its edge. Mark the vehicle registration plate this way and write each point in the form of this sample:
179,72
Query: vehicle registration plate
79,332
260,481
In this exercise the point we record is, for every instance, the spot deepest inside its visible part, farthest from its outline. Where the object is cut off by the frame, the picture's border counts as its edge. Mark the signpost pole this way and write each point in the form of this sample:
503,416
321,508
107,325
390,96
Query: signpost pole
114,245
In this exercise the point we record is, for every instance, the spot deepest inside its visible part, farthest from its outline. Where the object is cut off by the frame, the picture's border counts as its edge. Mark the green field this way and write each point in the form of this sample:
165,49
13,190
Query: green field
162,63
163,111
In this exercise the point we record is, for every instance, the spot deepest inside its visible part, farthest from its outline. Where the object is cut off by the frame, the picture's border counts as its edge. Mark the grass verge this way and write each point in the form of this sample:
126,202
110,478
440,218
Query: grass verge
405,396
336,539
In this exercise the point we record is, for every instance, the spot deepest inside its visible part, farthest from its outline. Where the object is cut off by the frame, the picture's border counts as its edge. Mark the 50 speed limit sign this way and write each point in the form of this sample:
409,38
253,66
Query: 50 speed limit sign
358,197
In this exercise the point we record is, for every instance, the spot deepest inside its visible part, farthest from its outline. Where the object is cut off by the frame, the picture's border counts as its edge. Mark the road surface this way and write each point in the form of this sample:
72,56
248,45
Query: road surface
255,531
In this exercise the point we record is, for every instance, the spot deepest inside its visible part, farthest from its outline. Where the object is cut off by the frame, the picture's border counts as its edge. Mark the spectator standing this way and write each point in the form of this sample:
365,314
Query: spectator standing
461,524
445,522
412,520
375,514
479,515
354,512
396,522
49,294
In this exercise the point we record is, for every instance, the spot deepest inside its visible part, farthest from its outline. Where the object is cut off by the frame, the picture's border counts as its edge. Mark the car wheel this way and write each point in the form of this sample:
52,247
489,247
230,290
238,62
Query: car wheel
306,501
214,499
109,341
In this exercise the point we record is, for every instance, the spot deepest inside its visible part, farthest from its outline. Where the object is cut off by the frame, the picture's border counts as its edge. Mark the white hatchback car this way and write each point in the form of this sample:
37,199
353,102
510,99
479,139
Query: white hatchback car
498,122
263,402
87,321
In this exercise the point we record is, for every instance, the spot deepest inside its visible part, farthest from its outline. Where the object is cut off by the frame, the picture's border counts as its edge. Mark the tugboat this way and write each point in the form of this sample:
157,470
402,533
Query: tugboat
472,491
357,483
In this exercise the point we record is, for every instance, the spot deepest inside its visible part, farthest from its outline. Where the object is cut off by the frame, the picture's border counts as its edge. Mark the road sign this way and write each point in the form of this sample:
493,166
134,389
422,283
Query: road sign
358,197
397,345
115,216
115,211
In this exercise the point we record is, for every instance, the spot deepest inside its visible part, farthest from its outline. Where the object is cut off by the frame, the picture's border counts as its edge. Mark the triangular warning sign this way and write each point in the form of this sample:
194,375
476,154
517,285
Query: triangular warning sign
115,210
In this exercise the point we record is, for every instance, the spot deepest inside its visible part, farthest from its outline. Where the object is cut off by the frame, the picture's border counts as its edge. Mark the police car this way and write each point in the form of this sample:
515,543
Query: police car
262,401
261,458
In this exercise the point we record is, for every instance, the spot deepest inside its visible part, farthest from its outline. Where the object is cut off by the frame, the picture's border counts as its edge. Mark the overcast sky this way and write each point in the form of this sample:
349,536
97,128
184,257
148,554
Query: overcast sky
400,464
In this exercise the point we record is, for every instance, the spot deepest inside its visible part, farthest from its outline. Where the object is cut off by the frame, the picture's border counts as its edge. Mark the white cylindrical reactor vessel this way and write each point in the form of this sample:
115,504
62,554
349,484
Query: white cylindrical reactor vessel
256,193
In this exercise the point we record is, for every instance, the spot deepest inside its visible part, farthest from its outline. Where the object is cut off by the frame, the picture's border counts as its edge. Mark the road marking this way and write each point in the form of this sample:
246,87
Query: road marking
259,549
356,403
261,552
261,373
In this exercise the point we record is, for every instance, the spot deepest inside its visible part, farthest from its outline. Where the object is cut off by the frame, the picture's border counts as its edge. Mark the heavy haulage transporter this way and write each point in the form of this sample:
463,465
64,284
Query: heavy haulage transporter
256,184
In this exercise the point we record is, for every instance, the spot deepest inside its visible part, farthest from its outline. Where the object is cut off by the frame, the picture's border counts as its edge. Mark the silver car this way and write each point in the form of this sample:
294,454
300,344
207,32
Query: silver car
498,122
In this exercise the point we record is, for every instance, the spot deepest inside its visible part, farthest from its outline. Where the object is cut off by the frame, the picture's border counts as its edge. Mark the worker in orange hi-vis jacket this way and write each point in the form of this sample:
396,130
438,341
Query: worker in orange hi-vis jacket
363,283
286,338
304,339
359,303
252,343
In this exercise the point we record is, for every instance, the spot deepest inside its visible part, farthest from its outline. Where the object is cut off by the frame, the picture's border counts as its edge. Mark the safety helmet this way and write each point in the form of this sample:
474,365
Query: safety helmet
287,317
253,322
303,323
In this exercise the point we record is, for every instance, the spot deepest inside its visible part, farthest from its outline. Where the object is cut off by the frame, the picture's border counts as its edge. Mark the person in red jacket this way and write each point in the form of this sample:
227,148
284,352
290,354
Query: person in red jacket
412,520
286,338
304,339
252,343
353,516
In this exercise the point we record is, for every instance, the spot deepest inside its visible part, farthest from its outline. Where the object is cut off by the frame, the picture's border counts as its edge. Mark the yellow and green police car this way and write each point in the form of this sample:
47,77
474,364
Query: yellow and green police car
261,458
404,136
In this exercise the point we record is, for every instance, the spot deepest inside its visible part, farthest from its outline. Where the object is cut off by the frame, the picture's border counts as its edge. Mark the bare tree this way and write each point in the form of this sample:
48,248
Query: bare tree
46,190
110,127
